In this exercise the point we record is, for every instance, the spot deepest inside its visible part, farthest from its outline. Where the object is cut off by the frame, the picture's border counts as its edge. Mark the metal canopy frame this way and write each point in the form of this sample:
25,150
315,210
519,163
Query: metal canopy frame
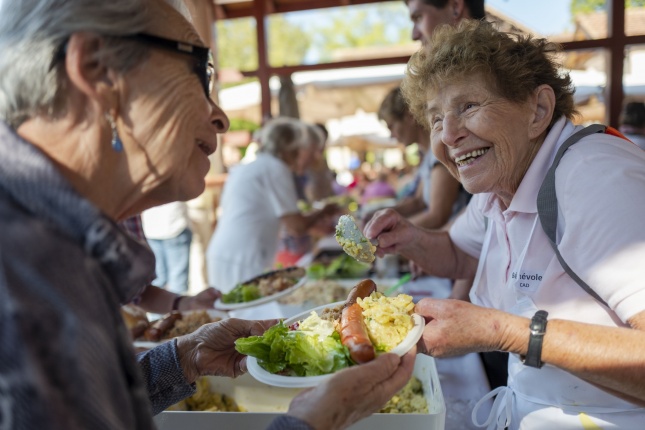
615,45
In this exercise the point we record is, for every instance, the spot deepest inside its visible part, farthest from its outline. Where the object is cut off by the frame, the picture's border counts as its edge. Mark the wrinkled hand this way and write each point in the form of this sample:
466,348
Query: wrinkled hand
353,393
203,300
393,232
456,327
210,350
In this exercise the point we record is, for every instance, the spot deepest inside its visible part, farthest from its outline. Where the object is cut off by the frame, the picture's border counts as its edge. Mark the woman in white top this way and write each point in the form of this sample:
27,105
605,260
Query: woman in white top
499,109
258,199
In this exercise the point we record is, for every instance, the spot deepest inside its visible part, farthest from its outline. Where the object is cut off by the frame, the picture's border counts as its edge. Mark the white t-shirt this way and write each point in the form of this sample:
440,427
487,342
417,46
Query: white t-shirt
165,221
255,197
600,184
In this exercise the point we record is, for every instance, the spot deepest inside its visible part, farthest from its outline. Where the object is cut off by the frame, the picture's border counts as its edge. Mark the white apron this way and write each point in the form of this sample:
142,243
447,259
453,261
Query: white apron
525,403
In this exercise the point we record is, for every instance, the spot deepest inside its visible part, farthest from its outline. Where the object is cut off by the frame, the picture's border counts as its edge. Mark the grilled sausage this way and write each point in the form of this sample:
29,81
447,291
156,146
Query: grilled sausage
353,334
156,331
360,290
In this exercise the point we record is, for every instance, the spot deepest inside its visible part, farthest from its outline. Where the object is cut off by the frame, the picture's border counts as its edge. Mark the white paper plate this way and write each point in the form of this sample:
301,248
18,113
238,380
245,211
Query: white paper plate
213,313
268,378
261,300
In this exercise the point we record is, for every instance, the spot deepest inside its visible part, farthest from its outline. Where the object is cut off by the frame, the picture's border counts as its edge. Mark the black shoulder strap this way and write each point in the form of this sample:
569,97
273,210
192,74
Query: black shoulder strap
547,204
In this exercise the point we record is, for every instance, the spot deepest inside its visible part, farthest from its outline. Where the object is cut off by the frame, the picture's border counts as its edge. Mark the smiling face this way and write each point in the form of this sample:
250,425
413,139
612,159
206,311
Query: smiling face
425,18
484,140
168,125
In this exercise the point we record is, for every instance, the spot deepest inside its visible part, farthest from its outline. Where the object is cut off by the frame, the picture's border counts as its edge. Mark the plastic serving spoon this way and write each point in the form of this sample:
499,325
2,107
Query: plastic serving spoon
354,243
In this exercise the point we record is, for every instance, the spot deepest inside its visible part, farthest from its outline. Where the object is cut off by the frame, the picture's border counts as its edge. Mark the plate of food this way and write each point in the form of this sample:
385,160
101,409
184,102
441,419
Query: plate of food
336,265
308,348
148,334
261,289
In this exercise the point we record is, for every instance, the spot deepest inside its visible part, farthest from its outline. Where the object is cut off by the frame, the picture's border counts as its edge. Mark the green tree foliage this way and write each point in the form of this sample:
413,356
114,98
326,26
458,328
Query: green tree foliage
236,44
587,6
376,24
288,43
290,38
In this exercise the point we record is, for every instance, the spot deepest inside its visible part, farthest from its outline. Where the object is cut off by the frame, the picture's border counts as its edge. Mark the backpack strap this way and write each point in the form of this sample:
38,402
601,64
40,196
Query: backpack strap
547,204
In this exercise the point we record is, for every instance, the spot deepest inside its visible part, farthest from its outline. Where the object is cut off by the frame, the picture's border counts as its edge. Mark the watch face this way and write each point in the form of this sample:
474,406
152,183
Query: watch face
538,322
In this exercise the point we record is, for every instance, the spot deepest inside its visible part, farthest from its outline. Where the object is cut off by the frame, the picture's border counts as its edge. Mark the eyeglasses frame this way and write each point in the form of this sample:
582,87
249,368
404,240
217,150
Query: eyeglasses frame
204,66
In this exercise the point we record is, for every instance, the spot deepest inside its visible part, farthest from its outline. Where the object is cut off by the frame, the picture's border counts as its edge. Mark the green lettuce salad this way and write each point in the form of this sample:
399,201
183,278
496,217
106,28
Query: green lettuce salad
340,267
314,348
242,293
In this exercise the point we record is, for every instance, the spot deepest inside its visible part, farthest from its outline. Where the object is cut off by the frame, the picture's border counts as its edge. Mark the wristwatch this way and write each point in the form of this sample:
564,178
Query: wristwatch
533,356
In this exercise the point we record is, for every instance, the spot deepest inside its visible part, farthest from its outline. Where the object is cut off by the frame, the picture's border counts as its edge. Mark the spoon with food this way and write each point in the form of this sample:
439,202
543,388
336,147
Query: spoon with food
354,243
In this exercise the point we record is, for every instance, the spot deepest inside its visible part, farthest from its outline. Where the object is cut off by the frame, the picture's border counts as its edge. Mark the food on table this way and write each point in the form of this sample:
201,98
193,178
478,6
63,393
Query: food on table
207,400
264,285
335,339
410,400
188,323
341,267
167,327
316,293
136,319
354,243
158,329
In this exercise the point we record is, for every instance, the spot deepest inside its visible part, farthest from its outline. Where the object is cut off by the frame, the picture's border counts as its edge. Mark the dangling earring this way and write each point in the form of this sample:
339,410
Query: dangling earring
117,145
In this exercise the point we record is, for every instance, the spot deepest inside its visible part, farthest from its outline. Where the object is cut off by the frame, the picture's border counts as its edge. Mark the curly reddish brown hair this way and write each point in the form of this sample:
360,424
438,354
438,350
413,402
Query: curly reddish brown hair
514,65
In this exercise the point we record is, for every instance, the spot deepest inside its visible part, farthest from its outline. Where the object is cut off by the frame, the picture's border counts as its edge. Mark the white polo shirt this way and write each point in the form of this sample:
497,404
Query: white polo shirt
600,184
255,197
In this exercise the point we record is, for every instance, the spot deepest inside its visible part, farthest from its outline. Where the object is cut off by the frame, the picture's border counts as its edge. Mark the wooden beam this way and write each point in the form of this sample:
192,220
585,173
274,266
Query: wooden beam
269,7
263,72
244,11
285,70
601,43
615,93
219,12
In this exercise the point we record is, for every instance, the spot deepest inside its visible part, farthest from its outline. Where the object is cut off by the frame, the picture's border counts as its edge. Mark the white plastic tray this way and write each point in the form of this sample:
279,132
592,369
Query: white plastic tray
264,403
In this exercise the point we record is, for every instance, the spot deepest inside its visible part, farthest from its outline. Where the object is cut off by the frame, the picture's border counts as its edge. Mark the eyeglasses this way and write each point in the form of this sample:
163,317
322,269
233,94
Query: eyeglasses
204,63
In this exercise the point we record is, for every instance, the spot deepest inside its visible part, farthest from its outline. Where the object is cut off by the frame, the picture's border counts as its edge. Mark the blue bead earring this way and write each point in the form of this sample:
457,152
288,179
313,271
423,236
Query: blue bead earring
117,144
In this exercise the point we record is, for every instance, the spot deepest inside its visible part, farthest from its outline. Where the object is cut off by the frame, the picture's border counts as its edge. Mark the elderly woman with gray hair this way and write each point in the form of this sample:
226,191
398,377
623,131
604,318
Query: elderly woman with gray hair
559,270
259,199
105,111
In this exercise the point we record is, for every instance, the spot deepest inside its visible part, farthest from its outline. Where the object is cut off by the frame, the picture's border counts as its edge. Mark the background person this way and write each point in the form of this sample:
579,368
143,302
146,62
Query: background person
159,300
258,199
167,229
292,247
439,196
632,123
427,15
102,119
498,109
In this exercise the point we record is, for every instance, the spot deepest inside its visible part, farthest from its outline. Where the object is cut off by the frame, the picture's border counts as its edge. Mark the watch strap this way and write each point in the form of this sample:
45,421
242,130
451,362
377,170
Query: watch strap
537,327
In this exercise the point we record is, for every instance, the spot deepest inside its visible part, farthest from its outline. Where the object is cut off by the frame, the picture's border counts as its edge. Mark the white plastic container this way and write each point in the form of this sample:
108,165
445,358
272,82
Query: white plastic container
264,403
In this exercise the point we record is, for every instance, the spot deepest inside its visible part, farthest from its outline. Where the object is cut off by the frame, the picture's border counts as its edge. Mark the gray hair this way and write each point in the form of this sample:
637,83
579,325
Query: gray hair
316,137
33,31
283,135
